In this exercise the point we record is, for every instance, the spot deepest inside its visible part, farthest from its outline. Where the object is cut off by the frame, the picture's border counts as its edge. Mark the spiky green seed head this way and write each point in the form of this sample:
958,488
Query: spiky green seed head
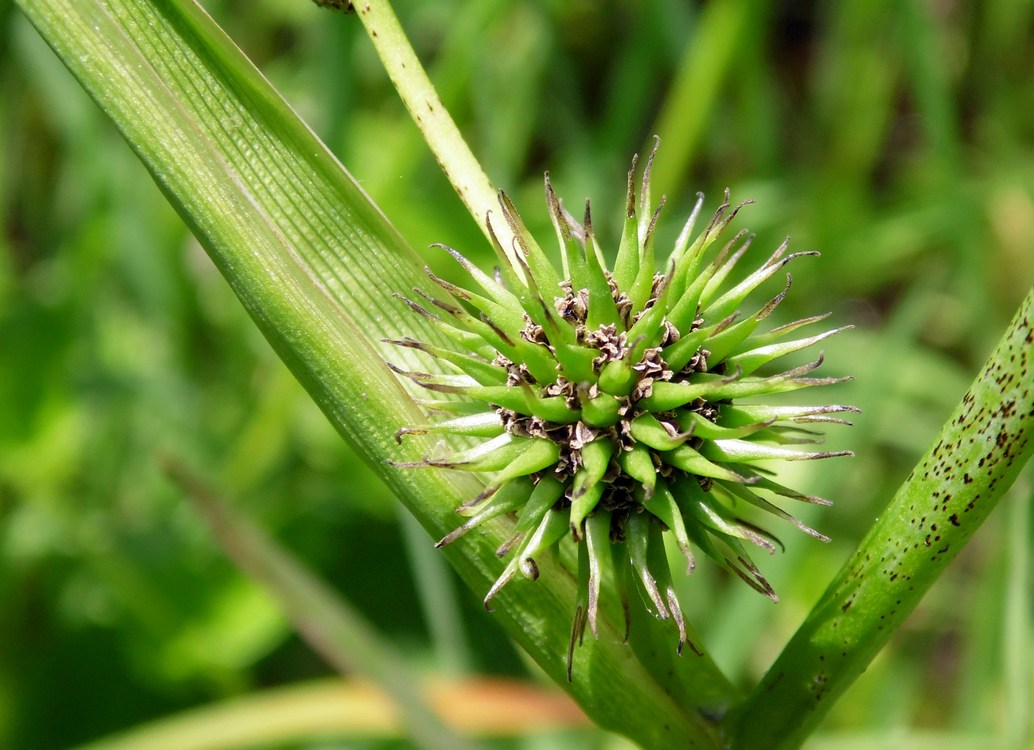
611,401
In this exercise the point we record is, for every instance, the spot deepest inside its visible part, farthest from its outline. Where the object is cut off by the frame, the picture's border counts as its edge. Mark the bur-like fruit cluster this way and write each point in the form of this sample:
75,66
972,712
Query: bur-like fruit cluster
617,406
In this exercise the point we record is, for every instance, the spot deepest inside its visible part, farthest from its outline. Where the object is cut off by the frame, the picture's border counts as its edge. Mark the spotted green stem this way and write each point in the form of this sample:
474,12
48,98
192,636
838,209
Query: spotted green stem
951,491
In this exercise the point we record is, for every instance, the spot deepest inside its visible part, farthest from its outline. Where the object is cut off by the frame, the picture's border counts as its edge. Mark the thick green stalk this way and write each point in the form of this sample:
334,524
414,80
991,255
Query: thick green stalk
947,496
315,264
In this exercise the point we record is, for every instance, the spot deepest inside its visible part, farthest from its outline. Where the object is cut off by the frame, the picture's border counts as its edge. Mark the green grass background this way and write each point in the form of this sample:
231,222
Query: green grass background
895,137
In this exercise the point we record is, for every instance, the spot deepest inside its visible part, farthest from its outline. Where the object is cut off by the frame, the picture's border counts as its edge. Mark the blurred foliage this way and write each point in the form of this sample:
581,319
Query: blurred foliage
896,137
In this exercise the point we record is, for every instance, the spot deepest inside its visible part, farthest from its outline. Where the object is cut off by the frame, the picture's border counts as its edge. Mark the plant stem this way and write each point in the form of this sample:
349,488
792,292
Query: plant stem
430,115
437,597
947,496
327,622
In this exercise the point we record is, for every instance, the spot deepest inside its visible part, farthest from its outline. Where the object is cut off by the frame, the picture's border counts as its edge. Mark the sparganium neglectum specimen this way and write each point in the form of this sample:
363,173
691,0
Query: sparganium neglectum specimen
610,401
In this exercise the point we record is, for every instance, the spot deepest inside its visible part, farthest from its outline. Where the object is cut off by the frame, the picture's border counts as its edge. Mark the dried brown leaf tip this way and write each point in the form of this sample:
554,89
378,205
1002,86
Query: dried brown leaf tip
620,406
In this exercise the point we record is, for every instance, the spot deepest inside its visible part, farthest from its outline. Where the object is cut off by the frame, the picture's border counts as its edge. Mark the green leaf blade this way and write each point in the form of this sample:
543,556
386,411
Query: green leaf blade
315,264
